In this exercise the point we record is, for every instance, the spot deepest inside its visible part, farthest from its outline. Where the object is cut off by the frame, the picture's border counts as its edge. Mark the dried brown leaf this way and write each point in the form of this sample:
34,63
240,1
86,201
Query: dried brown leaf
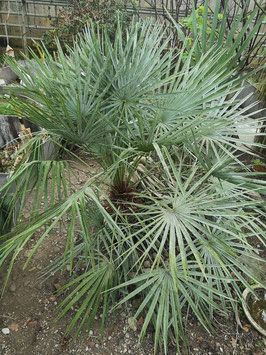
14,327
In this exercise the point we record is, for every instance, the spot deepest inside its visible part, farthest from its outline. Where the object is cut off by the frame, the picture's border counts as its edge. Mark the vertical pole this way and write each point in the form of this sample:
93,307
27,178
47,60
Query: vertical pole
23,23
6,22
1,8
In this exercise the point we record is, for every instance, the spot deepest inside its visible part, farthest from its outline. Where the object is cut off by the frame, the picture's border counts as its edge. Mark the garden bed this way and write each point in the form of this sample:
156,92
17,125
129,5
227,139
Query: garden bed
29,309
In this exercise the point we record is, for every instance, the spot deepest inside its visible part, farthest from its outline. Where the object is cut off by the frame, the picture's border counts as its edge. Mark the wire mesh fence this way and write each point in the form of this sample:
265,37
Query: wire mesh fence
22,21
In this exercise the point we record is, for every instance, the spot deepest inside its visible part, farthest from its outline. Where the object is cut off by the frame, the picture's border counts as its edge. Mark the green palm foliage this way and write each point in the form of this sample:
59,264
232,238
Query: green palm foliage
172,216
207,28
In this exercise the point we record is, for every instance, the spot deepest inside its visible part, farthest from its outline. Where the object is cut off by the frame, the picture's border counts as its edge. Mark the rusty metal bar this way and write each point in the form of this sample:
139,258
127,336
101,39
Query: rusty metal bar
36,27
23,25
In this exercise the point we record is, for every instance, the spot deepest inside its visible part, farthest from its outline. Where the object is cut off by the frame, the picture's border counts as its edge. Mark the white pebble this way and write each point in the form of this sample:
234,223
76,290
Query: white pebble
5,331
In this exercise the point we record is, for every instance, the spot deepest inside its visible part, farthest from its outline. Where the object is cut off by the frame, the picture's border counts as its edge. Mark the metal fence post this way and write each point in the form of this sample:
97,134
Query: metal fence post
23,23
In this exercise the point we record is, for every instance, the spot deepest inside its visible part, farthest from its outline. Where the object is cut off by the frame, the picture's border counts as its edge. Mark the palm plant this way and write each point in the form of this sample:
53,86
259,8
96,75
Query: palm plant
234,29
171,216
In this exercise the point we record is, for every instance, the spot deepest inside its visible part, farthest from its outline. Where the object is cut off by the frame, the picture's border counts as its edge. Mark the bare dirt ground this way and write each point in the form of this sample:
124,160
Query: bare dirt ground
29,307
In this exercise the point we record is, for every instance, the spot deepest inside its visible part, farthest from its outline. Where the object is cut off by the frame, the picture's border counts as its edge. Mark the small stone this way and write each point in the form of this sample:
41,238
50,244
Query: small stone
5,331
234,342
12,287
147,264
204,345
132,322
27,253
91,344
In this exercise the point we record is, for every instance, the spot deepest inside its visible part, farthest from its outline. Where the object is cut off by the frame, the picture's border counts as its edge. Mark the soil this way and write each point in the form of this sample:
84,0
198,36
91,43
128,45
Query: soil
29,307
